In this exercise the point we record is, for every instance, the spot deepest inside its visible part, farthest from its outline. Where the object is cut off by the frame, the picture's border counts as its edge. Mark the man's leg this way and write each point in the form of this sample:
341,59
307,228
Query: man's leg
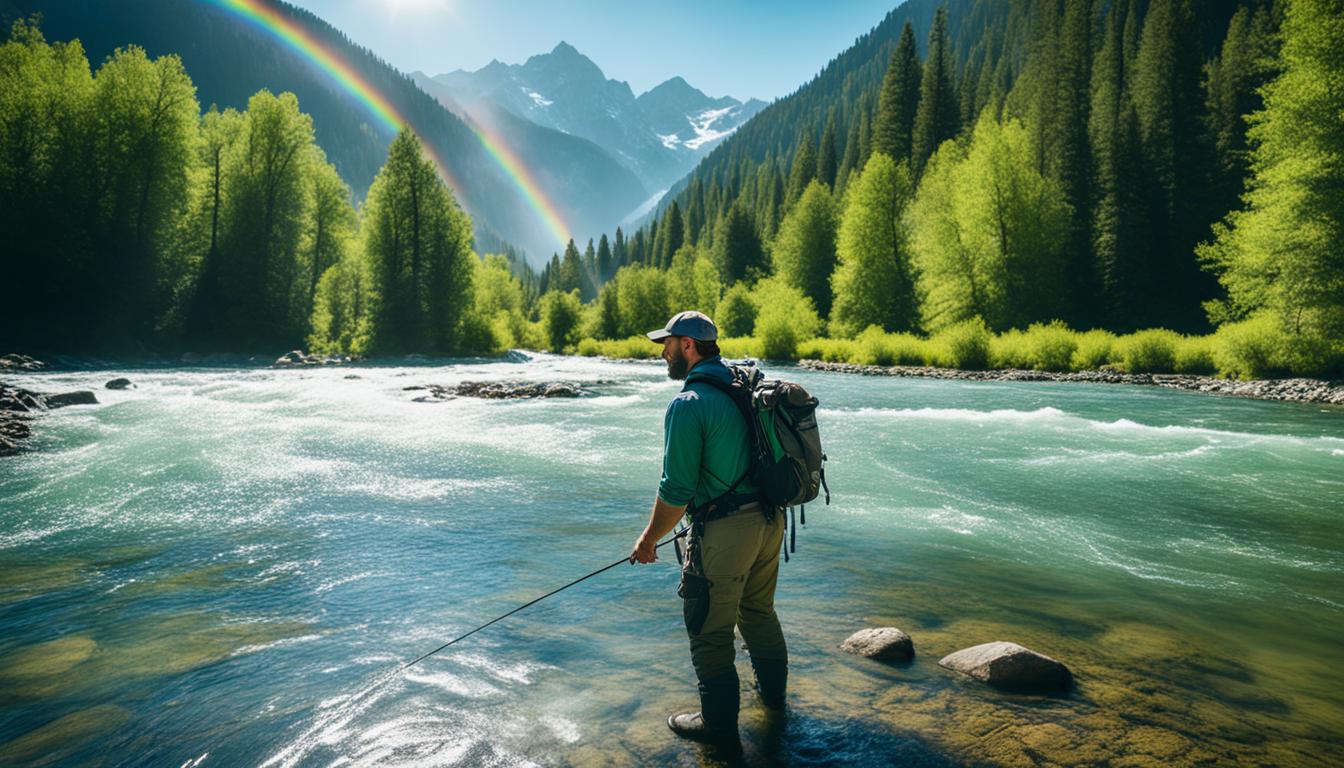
726,552
759,623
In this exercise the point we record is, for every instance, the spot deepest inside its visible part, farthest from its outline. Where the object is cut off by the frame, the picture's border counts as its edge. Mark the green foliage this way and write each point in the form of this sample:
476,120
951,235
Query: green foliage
1250,349
990,233
938,117
1149,351
737,247
345,308
742,347
560,316
964,345
877,347
894,128
692,283
873,284
784,318
1042,347
633,348
497,312
641,294
1194,355
1093,350
804,248
737,313
1282,254
419,243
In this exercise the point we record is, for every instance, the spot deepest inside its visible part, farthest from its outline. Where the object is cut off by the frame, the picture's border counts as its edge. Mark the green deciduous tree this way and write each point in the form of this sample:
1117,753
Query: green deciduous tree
1282,254
873,284
990,233
804,248
737,247
419,243
560,315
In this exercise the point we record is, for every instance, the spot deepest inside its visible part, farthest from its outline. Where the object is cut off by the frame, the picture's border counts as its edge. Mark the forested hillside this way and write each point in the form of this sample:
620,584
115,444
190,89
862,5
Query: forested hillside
230,60
1014,163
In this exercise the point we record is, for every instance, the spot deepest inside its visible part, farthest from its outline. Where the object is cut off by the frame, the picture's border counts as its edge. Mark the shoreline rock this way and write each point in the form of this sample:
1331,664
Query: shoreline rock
18,406
1317,391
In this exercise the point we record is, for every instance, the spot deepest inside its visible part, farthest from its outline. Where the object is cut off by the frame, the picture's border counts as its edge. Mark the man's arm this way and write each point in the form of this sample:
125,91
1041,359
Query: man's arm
663,519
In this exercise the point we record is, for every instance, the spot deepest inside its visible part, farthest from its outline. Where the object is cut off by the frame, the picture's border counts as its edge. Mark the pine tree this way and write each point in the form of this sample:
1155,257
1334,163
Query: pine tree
1282,254
604,259
936,119
899,99
804,168
737,252
1169,101
1120,270
827,164
571,269
673,234
1246,63
804,249
619,256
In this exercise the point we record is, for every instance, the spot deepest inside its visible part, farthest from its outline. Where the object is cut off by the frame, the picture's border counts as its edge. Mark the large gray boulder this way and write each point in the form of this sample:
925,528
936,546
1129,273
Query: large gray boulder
1011,667
881,643
119,383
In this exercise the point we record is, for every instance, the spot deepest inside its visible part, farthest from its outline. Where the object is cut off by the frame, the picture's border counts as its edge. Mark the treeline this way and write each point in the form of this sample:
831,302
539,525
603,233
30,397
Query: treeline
1079,174
132,218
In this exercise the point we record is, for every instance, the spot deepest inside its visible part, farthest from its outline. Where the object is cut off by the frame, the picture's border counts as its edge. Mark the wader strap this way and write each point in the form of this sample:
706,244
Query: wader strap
784,540
793,533
802,514
823,482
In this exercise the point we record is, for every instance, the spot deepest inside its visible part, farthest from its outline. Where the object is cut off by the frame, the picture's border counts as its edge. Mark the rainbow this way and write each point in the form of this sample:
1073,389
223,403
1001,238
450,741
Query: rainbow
327,58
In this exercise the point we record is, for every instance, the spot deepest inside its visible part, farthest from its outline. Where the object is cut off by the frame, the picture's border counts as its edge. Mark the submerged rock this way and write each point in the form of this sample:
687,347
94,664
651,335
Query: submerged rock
78,397
881,643
120,383
1011,667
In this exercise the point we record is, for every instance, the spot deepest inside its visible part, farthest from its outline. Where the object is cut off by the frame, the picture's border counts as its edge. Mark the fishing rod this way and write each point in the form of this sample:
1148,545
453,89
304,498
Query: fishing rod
627,559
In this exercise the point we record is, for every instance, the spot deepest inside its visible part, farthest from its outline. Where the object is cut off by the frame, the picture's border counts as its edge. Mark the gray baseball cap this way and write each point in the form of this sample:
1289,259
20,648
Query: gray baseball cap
695,325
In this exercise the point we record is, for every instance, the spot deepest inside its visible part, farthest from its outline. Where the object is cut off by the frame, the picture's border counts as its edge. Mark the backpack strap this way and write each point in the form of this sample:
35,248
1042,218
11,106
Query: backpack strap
729,501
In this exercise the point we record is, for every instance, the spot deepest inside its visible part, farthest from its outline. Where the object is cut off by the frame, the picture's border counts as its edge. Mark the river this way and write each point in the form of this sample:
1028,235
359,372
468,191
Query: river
221,565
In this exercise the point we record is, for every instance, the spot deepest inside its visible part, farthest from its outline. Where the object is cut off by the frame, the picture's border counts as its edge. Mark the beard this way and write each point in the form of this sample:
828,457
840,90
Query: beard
677,367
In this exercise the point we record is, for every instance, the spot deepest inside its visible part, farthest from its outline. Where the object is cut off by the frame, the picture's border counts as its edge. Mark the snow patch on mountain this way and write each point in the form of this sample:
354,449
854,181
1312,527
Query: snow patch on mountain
537,98
703,125
670,140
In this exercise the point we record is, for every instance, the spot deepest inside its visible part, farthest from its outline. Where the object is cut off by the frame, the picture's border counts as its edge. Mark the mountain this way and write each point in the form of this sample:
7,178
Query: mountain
659,136
229,60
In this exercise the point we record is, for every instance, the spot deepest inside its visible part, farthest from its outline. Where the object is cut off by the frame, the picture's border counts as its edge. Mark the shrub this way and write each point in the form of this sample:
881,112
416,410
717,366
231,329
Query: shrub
560,316
736,314
1009,350
1194,355
830,350
741,347
1150,351
784,318
633,348
1250,349
1051,346
1093,351
964,345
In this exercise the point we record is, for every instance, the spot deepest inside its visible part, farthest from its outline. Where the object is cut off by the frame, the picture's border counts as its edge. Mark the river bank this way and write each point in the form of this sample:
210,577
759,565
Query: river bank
1286,390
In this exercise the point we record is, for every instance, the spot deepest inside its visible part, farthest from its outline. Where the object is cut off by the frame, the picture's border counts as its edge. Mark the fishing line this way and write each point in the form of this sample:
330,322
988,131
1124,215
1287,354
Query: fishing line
603,569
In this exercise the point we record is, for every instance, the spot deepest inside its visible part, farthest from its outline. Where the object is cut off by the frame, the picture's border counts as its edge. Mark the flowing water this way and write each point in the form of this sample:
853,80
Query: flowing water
221,566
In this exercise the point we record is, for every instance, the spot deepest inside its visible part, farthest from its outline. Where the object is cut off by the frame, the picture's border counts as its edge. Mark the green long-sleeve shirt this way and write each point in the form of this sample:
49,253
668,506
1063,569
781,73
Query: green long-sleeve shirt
705,446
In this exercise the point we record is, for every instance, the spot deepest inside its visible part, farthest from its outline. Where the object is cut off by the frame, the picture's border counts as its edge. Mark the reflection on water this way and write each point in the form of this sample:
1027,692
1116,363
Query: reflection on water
222,567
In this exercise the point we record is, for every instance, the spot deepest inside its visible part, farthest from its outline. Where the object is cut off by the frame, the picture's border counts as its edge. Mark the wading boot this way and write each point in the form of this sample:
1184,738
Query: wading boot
716,722
772,680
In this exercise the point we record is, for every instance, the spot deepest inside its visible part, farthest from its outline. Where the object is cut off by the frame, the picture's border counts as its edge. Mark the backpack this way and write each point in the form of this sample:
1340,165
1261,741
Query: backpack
787,462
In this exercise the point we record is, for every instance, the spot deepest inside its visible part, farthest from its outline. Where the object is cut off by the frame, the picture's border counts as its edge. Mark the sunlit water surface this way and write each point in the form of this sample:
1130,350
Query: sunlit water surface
221,566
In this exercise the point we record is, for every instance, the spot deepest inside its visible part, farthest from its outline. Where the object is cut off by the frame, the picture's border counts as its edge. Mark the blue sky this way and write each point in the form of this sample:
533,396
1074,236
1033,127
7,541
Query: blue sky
730,47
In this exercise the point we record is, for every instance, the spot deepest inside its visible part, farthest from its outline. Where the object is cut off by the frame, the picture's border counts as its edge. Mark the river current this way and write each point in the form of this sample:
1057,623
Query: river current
222,565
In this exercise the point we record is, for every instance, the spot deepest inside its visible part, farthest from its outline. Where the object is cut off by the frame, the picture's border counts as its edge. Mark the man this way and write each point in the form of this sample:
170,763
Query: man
732,553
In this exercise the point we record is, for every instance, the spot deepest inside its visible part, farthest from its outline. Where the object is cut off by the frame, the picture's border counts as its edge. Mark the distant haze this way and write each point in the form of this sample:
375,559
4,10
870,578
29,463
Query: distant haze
743,49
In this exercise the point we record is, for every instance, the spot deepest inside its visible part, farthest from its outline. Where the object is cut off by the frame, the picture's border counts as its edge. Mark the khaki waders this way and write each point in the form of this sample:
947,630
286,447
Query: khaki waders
728,580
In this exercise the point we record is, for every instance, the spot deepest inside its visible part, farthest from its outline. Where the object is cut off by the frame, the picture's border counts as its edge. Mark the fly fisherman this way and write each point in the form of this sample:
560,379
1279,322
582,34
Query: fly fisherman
732,552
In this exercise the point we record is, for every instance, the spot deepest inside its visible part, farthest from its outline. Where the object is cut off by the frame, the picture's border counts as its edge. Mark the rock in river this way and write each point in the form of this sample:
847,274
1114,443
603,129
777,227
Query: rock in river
78,397
502,390
881,643
1011,667
119,384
